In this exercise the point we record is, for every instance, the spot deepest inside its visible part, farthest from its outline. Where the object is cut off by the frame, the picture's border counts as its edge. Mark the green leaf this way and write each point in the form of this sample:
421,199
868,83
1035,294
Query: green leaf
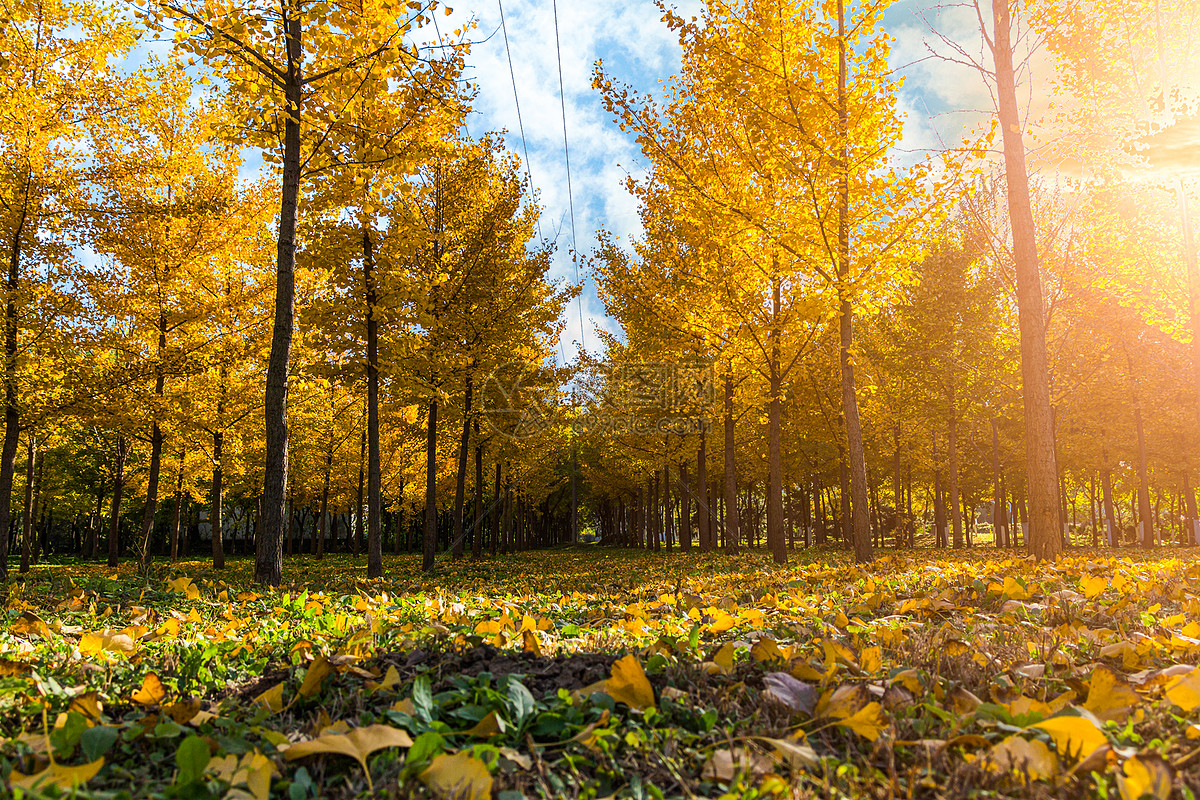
97,741
425,747
422,698
520,702
192,758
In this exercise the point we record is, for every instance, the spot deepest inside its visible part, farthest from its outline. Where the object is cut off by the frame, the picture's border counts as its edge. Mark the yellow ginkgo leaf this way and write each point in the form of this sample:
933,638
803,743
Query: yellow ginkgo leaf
318,671
871,659
1074,737
766,649
460,776
57,776
1184,690
723,658
358,744
30,624
271,699
488,726
1014,590
628,684
529,642
867,722
1143,775
106,642
391,679
1109,695
152,691
1092,586
1026,756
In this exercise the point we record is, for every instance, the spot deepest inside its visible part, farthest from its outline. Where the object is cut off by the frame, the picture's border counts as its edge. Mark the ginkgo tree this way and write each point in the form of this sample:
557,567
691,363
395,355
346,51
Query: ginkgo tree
294,69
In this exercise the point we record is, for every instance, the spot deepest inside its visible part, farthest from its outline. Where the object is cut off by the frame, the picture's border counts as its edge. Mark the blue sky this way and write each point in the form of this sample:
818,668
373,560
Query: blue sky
636,47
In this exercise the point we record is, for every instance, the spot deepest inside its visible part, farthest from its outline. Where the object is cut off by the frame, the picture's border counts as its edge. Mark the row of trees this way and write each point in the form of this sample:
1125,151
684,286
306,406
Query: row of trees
999,340
152,285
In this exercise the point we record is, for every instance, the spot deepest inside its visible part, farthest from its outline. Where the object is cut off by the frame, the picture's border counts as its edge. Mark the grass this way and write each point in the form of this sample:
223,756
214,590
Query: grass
958,674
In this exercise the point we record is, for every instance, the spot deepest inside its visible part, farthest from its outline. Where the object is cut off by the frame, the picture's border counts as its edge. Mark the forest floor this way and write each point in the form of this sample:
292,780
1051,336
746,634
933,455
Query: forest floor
593,672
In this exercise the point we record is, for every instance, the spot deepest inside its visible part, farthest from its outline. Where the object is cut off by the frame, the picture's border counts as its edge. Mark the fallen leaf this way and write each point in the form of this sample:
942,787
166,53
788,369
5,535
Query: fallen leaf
271,699
1184,690
1092,585
318,671
867,722
57,776
106,641
787,691
488,726
30,624
1145,774
1027,756
460,776
725,764
627,684
152,691
1109,695
358,744
1074,737
794,754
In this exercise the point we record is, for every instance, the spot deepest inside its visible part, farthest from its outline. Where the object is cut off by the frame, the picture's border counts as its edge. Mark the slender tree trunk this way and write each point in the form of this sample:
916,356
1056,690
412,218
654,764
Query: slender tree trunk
12,417
176,516
27,511
268,561
374,461
1143,492
114,525
999,521
477,528
1044,538
218,497
685,510
1193,285
731,512
703,513
955,500
356,536
323,522
93,546
494,544
429,536
156,443
775,537
460,483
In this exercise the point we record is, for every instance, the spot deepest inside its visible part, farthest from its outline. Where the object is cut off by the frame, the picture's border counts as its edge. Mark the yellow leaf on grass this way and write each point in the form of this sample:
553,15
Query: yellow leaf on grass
1075,737
628,684
57,776
1027,756
766,649
30,624
183,711
488,726
152,691
723,658
106,641
1014,590
358,744
871,659
1092,586
1184,690
460,776
1109,695
529,642
271,699
404,706
867,722
318,671
1145,775
87,704
391,679
253,770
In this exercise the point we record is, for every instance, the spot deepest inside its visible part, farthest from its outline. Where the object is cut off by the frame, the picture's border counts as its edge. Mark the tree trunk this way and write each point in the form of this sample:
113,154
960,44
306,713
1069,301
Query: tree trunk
218,498
703,513
429,536
322,526
460,483
775,538
494,544
27,512
12,417
176,516
268,561
374,461
1044,538
731,513
356,535
685,510
955,499
114,524
477,527
1143,493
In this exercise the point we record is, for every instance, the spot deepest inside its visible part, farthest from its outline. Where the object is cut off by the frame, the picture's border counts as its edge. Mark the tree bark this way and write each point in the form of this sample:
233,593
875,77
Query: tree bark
114,524
775,538
218,498
12,417
477,527
703,514
955,499
374,460
460,483
356,536
268,560
731,512
322,526
429,536
27,511
176,515
1044,539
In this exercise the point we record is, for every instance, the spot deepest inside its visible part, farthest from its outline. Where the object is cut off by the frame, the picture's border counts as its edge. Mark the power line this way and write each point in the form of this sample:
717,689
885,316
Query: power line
562,96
